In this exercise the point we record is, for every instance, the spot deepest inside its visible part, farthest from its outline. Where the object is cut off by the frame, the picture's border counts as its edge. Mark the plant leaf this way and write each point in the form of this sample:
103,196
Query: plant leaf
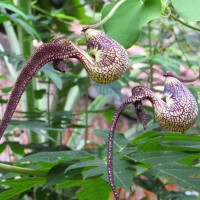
170,155
19,185
168,63
25,25
120,141
122,174
112,89
54,77
126,23
13,8
184,176
52,157
92,189
189,10
152,141
56,175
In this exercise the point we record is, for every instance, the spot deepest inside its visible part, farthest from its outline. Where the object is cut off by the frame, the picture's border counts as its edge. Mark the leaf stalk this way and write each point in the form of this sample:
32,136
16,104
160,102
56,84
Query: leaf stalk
22,170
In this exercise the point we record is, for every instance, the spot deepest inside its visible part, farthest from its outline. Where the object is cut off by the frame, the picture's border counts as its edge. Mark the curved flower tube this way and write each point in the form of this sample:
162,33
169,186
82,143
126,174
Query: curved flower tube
106,63
178,113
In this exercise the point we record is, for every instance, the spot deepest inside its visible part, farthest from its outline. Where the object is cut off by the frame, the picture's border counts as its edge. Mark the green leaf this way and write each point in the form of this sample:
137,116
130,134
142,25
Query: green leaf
2,76
3,101
2,147
13,8
168,63
17,148
189,10
3,18
18,186
56,175
157,158
62,15
83,83
169,155
39,93
126,23
25,24
152,141
195,90
198,120
112,89
77,135
99,167
54,77
6,90
41,194
166,164
29,124
184,176
52,157
120,141
91,188
8,175
122,174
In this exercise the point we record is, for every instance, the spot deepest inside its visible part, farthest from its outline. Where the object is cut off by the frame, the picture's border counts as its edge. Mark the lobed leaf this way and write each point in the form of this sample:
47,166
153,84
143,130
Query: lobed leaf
120,141
18,186
92,189
152,141
185,176
52,157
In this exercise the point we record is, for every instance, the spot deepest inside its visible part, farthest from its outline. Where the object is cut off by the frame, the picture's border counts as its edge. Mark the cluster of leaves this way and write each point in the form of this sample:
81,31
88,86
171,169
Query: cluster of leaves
151,154
54,171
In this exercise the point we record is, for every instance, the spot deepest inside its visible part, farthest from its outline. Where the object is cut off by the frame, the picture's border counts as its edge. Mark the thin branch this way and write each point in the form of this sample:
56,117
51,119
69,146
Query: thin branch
22,170
184,23
150,54
183,79
104,20
179,45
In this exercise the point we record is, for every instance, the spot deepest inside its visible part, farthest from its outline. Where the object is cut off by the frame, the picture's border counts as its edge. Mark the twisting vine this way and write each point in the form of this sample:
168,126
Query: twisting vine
177,113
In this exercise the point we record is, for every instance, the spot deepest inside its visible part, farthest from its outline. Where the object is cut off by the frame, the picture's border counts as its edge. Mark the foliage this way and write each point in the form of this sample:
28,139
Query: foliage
131,10
189,10
154,159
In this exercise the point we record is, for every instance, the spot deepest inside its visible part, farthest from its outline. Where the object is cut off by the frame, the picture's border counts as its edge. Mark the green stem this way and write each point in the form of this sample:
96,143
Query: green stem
181,49
26,49
182,79
22,170
104,20
48,13
62,102
48,112
12,37
184,23
86,118
52,134
9,66
14,44
77,135
150,54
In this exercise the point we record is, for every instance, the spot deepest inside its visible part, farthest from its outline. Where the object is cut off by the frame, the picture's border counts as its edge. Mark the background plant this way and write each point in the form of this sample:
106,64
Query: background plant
59,112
